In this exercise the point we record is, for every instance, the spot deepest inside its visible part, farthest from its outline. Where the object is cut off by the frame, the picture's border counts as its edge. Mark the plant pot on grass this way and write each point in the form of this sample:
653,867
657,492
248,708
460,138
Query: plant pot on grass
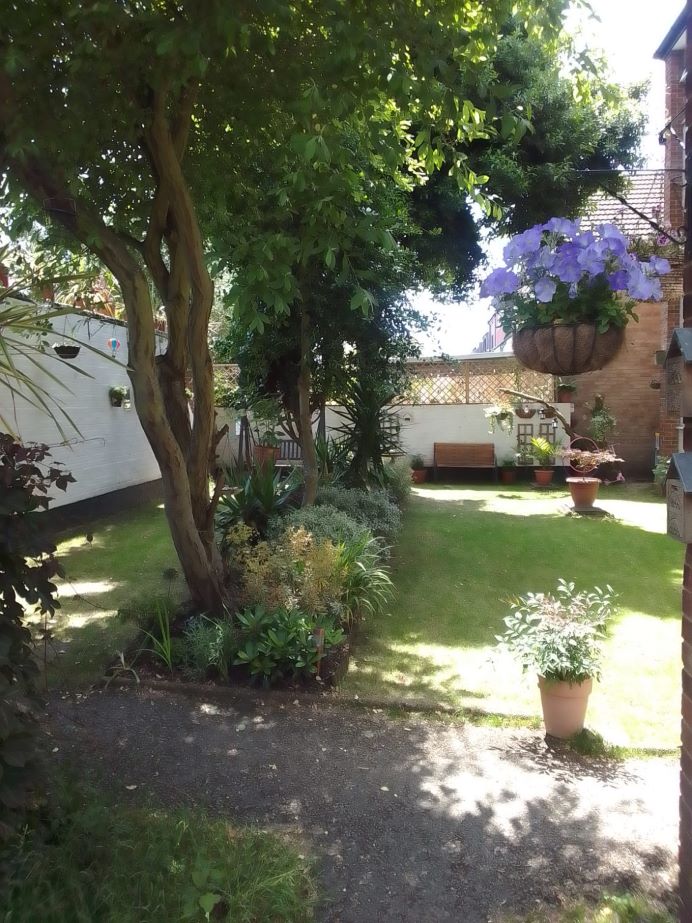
583,487
544,453
571,318
419,473
508,469
558,635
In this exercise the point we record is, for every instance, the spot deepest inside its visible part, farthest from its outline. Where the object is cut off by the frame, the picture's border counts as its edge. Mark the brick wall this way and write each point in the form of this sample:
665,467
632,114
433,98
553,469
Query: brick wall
671,317
625,383
674,154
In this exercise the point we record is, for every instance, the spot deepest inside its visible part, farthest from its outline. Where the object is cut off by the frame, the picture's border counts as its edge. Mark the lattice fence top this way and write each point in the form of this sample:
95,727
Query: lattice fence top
474,381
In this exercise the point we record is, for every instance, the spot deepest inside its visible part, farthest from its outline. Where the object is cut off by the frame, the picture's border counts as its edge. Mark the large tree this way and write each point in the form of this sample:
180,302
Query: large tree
135,129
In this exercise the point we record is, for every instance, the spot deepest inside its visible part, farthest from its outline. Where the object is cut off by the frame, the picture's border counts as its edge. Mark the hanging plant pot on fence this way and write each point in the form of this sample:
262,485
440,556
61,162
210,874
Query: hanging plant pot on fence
566,349
525,413
66,350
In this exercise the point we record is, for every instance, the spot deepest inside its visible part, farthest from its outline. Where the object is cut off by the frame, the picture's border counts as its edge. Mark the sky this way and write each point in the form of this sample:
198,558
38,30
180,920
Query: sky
629,31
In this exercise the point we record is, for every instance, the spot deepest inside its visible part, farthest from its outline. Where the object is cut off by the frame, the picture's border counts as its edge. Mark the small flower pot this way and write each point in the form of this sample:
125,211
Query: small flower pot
584,492
508,475
565,395
566,349
525,413
564,706
419,475
66,350
543,476
266,454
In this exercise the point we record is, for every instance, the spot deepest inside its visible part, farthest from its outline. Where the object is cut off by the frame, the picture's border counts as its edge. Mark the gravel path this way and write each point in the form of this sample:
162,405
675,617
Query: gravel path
412,820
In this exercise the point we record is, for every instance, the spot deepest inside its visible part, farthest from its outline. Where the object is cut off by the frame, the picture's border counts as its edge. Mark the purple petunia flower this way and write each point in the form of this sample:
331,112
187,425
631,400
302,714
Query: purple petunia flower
500,282
545,288
659,265
562,226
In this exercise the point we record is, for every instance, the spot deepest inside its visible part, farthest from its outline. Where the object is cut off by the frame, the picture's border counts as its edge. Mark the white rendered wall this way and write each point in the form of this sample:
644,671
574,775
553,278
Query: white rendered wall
110,451
422,425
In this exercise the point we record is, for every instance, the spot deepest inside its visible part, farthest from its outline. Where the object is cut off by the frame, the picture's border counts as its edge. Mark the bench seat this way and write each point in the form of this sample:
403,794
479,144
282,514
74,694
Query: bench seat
464,455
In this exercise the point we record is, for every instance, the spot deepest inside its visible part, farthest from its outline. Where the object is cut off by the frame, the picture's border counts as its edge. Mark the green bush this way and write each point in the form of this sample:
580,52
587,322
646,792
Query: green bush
324,522
207,644
372,508
121,864
396,479
275,645
259,496
27,568
367,586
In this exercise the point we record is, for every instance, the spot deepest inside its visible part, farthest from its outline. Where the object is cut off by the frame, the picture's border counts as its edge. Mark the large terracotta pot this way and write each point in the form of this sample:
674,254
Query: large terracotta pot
508,475
266,454
543,476
584,492
419,475
566,349
564,706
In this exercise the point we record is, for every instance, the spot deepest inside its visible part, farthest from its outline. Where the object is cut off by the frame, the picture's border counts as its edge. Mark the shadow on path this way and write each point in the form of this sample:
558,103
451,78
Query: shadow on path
411,820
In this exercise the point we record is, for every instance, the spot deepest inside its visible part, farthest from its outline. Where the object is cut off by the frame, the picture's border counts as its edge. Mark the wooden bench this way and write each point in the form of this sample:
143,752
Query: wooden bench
464,455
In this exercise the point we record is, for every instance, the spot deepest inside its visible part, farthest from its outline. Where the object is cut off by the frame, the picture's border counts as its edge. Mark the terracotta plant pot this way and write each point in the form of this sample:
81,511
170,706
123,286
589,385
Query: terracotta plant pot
508,475
419,475
584,492
543,476
566,349
565,396
265,454
564,706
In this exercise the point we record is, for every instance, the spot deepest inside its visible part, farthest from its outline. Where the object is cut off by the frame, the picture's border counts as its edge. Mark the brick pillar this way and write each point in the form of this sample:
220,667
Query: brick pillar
686,756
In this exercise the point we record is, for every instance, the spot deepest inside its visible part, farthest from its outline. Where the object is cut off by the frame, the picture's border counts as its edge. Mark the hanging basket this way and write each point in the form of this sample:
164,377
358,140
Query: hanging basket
566,349
66,350
525,413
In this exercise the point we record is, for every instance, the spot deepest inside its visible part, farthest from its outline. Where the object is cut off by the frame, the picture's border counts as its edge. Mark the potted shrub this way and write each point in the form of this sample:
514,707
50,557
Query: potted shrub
118,395
566,295
418,471
265,419
582,487
508,469
544,453
501,418
559,636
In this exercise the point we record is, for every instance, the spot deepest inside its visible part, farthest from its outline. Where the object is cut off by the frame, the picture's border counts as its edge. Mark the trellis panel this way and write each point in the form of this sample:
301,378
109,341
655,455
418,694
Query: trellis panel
474,381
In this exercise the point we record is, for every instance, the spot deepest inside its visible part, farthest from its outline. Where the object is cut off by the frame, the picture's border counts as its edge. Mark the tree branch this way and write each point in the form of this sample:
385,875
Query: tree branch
539,400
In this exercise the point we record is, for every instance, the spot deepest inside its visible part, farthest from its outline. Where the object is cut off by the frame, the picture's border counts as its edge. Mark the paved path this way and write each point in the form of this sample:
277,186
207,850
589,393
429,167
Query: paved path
412,820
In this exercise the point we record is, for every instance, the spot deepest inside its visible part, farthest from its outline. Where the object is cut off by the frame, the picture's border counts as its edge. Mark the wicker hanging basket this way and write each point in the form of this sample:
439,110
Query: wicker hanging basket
566,349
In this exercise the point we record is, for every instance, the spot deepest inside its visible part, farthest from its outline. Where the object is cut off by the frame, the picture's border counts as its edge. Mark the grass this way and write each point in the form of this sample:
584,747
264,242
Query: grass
465,551
126,559
625,908
126,864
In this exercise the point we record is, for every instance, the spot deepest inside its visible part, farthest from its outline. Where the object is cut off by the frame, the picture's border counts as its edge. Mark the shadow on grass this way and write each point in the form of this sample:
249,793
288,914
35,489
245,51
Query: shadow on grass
411,821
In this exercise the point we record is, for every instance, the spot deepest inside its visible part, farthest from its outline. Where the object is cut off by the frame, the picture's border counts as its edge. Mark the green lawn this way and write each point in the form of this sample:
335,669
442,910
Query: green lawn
465,550
126,559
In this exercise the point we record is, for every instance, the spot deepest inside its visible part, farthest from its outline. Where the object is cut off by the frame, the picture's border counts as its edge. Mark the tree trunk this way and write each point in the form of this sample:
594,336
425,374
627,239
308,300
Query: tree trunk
307,438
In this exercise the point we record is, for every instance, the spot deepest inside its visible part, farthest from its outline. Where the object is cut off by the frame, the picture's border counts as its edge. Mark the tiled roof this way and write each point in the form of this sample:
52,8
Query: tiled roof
643,192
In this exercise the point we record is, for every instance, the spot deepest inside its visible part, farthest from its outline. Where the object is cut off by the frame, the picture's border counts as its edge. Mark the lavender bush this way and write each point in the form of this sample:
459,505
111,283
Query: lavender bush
557,273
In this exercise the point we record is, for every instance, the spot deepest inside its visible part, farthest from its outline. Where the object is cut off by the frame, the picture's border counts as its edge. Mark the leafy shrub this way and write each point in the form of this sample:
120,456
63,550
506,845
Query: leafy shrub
27,568
332,459
367,586
274,645
293,572
396,480
559,635
207,644
373,508
660,472
261,494
324,522
142,609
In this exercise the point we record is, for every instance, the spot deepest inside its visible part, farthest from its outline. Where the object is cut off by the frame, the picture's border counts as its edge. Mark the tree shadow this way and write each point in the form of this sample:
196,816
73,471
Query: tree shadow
411,821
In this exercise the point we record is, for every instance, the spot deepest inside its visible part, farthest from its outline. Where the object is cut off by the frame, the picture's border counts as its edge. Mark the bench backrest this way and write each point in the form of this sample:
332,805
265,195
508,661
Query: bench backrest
464,454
